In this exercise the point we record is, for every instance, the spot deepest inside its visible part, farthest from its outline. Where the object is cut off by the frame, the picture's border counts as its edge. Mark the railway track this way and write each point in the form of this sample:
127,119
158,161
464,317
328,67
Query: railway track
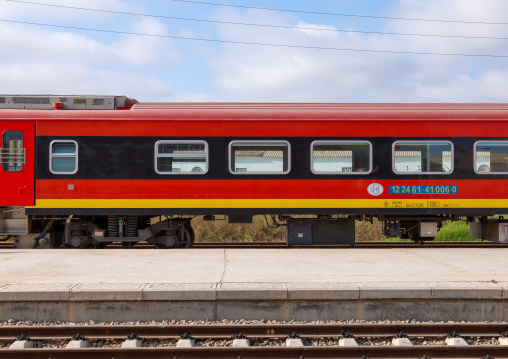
282,245
306,332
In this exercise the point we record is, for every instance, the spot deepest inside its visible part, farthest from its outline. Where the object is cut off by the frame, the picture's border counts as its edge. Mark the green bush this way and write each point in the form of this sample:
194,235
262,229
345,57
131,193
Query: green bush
259,231
455,232
449,232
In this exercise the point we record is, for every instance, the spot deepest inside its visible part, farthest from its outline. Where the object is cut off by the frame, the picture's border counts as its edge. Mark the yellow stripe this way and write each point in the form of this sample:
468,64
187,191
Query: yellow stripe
271,203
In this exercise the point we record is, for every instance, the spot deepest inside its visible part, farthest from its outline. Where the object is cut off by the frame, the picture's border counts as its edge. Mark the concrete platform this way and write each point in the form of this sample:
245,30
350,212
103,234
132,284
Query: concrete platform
282,284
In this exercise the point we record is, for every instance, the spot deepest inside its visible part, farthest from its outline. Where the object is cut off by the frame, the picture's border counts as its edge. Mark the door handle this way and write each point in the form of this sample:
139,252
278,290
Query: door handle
21,190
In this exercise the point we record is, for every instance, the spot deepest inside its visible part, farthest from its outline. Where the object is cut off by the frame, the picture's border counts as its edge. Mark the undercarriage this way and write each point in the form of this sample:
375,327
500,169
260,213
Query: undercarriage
176,231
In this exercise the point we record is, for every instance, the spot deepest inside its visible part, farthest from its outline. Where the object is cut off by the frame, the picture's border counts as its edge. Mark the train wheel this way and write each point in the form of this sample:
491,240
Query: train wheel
172,241
188,236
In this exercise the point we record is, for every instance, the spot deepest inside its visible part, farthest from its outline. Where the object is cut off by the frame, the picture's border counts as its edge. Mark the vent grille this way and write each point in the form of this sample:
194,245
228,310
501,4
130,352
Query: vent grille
31,100
69,102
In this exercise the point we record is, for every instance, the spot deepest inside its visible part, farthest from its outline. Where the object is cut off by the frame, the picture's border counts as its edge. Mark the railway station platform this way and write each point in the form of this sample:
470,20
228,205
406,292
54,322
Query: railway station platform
448,284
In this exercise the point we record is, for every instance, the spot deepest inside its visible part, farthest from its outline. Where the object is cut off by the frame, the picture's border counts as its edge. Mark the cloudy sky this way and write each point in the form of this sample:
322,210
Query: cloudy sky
109,47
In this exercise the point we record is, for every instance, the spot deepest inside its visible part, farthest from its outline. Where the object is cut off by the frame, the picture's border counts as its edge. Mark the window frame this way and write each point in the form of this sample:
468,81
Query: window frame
157,155
262,142
474,157
52,155
23,163
332,142
452,153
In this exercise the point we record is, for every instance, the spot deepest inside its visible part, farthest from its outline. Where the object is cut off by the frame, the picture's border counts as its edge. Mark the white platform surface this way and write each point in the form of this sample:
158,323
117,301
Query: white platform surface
221,266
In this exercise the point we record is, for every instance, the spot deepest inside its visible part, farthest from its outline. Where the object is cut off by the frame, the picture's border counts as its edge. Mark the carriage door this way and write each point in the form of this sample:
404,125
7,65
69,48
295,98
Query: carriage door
17,178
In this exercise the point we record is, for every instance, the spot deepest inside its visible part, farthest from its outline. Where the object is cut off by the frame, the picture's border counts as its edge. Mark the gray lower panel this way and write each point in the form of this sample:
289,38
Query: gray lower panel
476,310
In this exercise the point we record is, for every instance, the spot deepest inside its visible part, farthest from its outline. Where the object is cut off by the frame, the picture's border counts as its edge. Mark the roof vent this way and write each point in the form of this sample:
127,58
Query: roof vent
31,100
98,102
65,102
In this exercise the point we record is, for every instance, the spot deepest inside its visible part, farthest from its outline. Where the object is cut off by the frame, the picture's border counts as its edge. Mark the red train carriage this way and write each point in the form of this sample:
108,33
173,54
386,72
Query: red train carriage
88,170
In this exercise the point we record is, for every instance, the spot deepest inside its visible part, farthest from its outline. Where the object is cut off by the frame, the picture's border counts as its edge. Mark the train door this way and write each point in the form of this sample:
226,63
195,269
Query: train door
17,163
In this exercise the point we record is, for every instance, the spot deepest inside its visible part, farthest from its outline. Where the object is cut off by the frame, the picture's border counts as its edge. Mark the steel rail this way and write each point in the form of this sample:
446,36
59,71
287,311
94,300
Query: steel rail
254,330
314,352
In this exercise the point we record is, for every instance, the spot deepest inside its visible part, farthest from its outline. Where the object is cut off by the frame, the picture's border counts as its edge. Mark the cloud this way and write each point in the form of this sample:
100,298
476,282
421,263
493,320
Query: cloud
18,10
264,73
48,60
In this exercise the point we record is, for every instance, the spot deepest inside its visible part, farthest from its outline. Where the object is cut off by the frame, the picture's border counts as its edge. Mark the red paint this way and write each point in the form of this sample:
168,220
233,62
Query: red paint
17,188
274,120
274,129
256,189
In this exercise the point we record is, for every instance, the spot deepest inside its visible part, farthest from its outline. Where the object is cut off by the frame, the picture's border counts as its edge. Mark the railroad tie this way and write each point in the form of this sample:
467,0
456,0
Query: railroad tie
186,340
401,342
294,340
186,343
78,342
347,342
455,339
22,342
133,341
240,340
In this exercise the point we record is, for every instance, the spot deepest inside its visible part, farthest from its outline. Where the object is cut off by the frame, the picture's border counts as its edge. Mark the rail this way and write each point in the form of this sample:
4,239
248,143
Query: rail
281,331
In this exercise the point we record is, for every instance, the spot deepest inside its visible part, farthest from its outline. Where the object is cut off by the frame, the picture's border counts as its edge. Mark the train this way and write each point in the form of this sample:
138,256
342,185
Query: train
85,171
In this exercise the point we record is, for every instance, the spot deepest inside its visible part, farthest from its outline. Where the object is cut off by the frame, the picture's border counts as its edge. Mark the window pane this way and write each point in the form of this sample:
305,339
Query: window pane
181,148
13,153
175,157
181,165
63,147
336,157
259,158
491,157
435,157
63,164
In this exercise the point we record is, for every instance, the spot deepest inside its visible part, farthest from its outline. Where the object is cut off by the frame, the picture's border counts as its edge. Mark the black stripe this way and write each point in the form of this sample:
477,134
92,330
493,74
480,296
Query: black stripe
133,158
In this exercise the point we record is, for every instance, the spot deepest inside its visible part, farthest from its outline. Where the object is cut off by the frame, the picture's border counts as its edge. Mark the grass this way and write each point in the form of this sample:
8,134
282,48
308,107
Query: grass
222,231
455,232
259,231
450,232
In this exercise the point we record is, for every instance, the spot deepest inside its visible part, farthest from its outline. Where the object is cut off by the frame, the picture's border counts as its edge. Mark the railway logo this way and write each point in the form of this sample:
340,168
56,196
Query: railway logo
375,189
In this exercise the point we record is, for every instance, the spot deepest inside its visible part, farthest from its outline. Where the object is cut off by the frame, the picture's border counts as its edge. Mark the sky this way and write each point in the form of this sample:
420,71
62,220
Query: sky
307,51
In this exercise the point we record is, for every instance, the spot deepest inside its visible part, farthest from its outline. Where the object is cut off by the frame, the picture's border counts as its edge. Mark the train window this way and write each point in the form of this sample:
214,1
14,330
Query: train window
491,157
181,157
341,157
259,157
63,156
12,153
415,157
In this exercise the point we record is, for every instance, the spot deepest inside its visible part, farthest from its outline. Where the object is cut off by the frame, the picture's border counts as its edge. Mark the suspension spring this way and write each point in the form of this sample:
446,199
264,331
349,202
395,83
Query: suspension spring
113,226
131,226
